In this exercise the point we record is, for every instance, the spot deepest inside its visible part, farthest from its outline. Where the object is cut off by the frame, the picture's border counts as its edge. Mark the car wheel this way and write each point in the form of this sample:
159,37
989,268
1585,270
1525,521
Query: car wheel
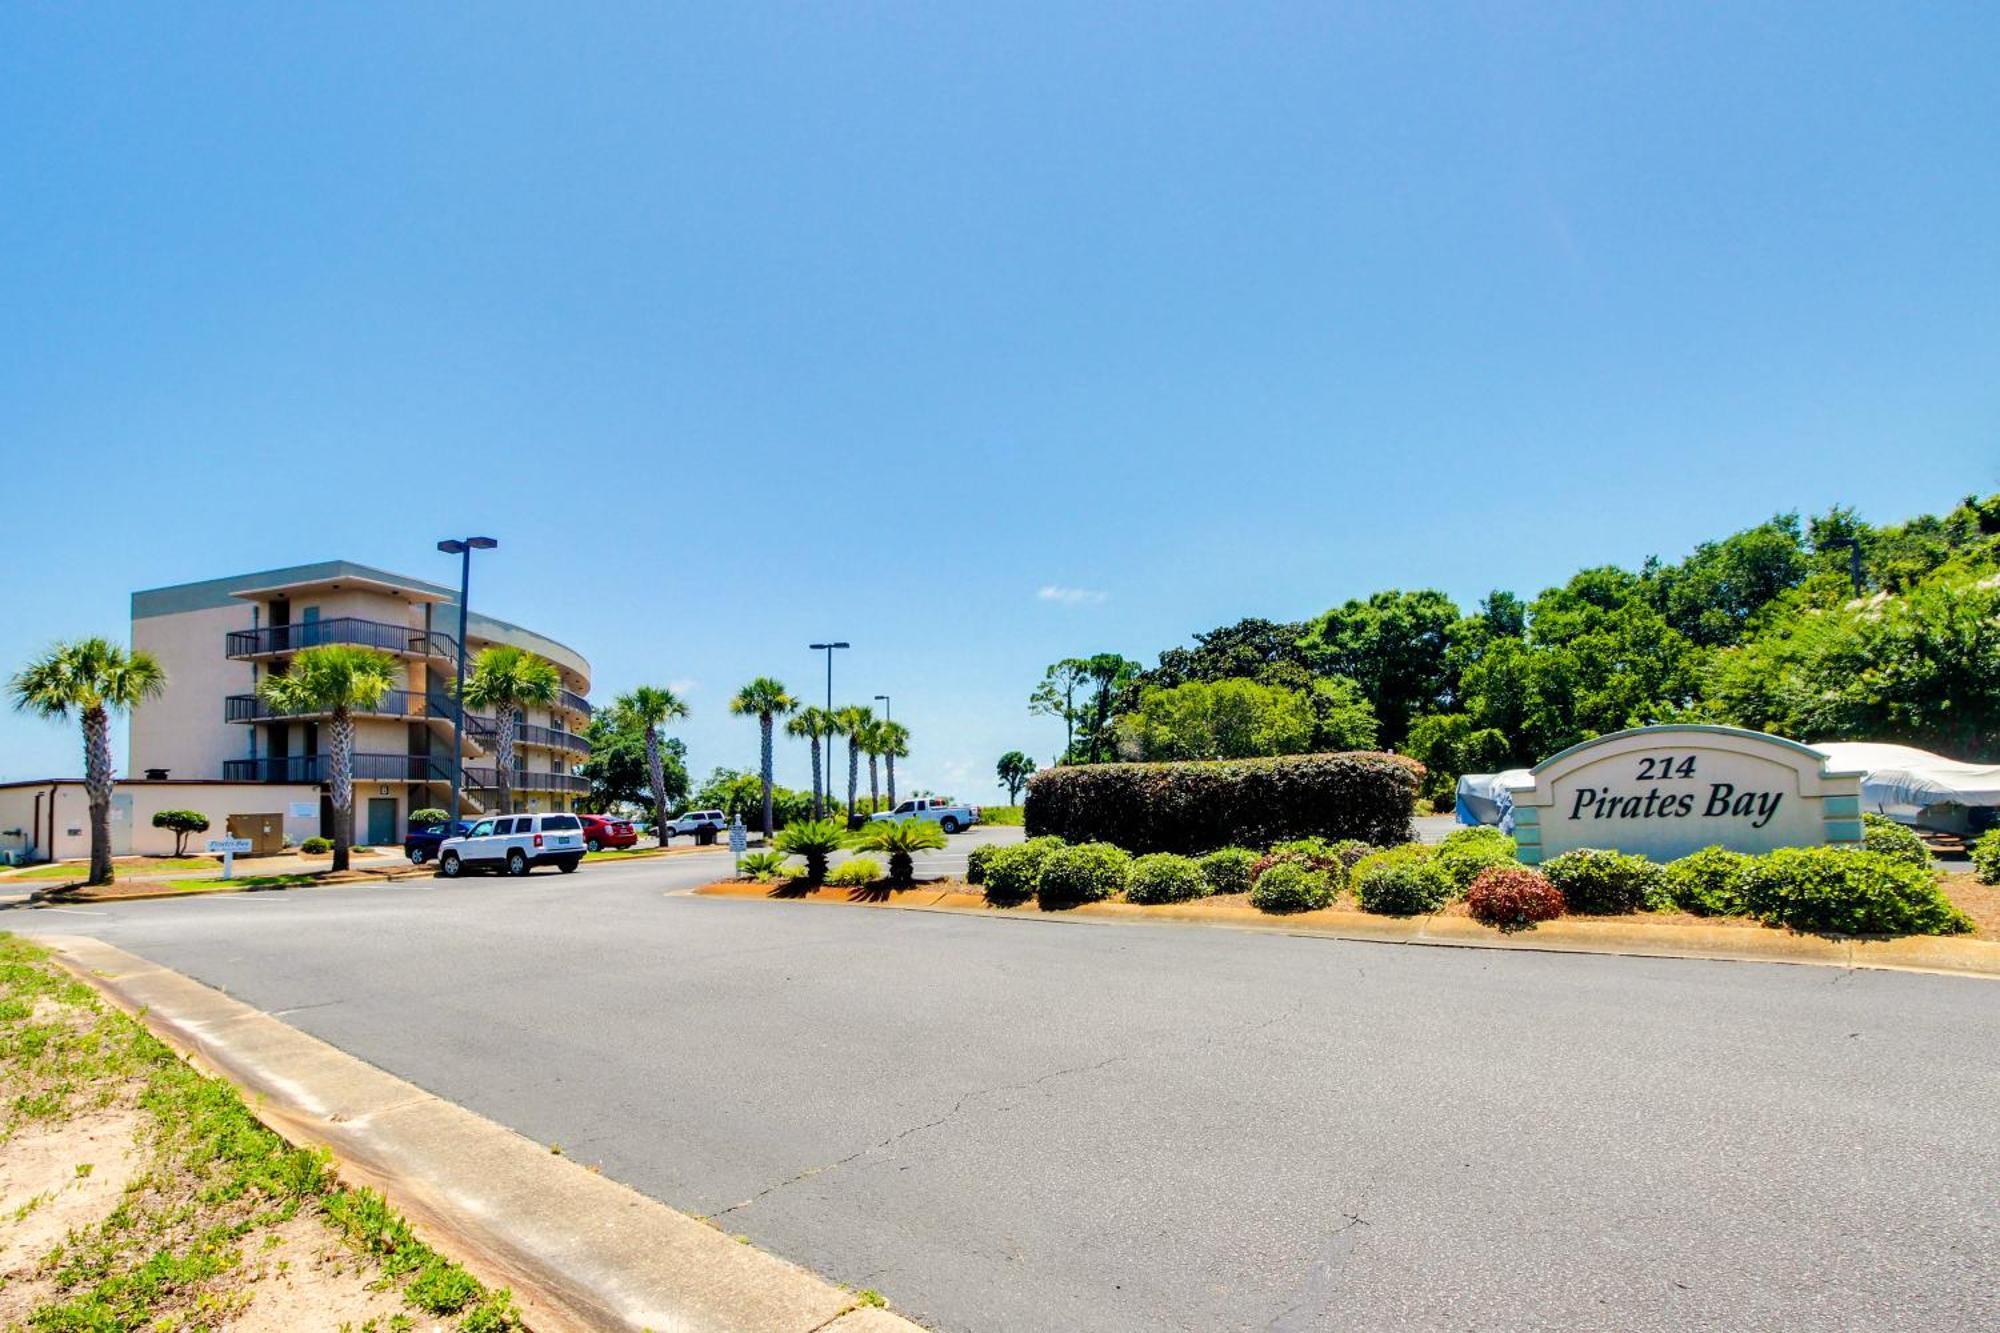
948,824
450,865
594,845
417,856
517,862
567,865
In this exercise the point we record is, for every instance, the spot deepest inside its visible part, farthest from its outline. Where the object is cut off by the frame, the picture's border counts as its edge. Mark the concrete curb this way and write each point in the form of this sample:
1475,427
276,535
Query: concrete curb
1949,955
579,1251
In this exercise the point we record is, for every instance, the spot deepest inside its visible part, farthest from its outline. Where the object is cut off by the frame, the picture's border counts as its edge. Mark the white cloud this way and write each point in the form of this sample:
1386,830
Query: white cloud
683,687
1055,592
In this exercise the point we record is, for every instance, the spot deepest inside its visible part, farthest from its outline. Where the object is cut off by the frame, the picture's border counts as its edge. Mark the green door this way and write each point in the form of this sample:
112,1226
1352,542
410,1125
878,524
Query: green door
382,822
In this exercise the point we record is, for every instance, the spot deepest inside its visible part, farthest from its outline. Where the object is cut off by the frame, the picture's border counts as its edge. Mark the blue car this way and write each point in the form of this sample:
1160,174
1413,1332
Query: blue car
421,844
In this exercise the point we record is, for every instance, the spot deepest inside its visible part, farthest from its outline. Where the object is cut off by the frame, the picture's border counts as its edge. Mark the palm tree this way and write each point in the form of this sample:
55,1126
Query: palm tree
900,839
815,724
813,839
855,720
90,677
894,739
765,699
336,678
871,745
507,679
651,706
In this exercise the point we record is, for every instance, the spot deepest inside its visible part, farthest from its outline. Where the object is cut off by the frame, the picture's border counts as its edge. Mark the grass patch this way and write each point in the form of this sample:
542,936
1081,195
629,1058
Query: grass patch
1002,814
215,1184
252,881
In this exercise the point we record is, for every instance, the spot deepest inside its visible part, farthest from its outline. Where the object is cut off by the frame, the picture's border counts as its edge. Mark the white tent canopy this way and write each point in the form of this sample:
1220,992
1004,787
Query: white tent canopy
1916,786
1483,798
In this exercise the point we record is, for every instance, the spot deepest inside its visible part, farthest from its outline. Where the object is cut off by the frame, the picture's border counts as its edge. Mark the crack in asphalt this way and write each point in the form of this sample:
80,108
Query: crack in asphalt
902,1134
1318,1288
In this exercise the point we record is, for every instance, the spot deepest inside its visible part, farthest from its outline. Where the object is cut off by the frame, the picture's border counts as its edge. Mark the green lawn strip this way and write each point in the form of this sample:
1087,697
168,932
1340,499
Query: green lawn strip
215,1176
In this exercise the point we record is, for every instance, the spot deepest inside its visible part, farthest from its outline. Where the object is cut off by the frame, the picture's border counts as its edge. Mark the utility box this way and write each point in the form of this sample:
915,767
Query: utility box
265,832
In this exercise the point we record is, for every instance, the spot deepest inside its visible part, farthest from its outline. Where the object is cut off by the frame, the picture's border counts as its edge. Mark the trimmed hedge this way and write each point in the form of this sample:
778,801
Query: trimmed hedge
1163,877
1885,836
1332,859
1089,872
975,862
1462,855
1012,873
1198,807
1228,870
314,845
1707,882
1836,890
1986,857
1402,881
1291,887
1513,896
1598,882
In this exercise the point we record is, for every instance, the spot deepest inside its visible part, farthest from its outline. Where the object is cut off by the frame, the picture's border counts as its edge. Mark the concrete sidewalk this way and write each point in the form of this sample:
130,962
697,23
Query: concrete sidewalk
578,1251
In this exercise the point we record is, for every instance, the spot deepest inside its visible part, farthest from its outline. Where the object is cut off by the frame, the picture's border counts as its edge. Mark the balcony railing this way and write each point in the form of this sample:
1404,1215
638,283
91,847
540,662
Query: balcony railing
554,740
396,703
314,768
576,703
527,780
272,639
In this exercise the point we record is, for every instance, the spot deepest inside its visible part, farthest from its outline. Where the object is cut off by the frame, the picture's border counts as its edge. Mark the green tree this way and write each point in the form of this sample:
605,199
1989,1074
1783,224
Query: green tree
1394,646
894,739
650,707
617,769
853,722
90,678
1712,597
1266,651
766,700
181,823
1109,676
816,725
1223,719
1056,697
870,739
1014,770
1343,719
1449,746
504,680
335,679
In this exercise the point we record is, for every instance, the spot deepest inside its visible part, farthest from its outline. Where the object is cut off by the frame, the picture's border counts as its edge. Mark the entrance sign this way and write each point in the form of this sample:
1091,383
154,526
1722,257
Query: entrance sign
229,847
1666,791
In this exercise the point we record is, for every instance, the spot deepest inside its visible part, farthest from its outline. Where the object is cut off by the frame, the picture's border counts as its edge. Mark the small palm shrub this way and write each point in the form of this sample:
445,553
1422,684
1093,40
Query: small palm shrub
761,866
1086,873
856,872
1986,857
316,846
1598,882
1290,887
1707,883
901,841
1885,837
1228,870
813,839
1512,896
1834,890
1402,881
1012,873
1164,877
1463,854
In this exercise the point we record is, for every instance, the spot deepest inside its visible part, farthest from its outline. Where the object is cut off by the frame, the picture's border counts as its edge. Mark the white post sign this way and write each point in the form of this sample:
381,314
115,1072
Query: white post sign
1666,791
229,847
738,841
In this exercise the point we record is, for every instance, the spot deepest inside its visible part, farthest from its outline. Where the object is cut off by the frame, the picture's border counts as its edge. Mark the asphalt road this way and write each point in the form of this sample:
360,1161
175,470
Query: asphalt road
1047,1124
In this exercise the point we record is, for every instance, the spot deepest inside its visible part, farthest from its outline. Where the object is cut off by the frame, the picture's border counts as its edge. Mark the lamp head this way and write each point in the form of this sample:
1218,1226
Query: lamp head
452,548
481,543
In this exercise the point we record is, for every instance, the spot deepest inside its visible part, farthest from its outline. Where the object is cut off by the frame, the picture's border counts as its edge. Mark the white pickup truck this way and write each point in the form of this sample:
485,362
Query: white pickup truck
947,815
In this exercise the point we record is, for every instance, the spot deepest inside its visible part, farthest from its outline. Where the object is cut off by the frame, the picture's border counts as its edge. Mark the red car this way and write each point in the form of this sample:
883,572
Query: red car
601,831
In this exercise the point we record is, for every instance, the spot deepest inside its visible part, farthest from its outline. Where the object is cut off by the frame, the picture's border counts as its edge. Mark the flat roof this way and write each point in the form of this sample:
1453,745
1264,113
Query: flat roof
402,590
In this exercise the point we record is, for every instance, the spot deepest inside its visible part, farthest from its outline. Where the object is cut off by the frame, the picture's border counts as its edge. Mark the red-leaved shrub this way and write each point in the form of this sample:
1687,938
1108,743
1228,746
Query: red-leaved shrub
1513,896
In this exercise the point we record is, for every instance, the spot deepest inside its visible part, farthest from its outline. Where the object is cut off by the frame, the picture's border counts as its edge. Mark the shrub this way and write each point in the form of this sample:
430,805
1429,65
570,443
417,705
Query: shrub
1462,855
1599,882
856,872
1228,870
813,839
1163,877
182,823
1402,881
430,814
1013,872
1885,837
761,866
1290,887
1085,873
1986,857
1198,807
1512,896
975,862
901,841
1836,890
316,846
1707,882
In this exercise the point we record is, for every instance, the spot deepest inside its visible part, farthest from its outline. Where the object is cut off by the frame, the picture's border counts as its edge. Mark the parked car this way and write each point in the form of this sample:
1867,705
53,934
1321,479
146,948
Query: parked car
601,831
947,815
703,824
514,844
420,844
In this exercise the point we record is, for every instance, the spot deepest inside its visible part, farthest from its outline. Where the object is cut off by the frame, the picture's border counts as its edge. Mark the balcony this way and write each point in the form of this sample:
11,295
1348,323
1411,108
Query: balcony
276,640
396,703
549,738
317,768
526,780
576,703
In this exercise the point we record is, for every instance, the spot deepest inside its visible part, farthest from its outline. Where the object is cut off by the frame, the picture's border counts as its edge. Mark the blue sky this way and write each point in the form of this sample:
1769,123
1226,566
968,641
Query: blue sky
749,327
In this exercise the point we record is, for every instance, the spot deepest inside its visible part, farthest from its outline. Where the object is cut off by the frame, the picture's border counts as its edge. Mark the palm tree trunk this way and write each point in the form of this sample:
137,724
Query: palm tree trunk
890,760
97,785
853,775
819,801
656,774
769,722
874,786
342,778
503,759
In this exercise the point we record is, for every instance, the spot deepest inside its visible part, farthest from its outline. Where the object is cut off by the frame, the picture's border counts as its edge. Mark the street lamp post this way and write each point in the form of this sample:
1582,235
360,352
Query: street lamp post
463,550
828,649
883,699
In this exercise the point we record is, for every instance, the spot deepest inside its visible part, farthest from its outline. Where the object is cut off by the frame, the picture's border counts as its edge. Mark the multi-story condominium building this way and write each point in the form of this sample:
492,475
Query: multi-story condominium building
217,639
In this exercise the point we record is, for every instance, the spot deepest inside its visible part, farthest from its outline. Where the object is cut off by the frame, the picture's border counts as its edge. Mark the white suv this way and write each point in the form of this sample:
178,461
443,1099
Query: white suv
515,844
699,822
